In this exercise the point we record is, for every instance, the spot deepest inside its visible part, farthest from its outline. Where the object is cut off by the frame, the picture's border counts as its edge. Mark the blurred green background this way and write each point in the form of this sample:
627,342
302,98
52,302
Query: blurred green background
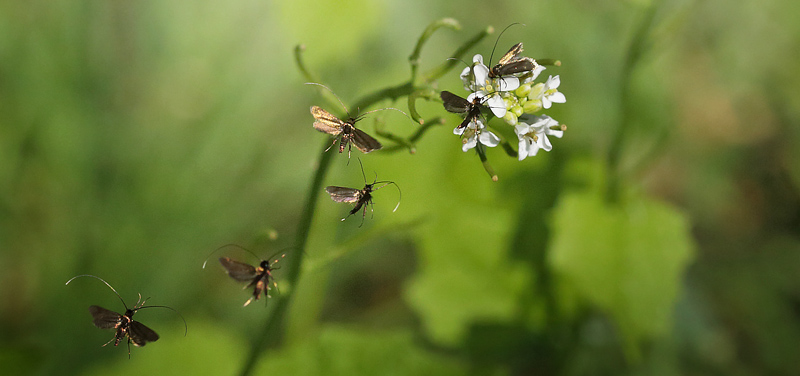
137,137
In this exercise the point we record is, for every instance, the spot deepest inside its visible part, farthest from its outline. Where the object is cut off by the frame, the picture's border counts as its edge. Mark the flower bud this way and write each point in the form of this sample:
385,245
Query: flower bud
510,118
523,90
532,106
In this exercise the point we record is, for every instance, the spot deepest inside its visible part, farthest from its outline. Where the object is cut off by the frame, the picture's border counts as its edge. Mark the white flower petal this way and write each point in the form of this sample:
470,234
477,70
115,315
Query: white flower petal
536,71
522,150
459,131
469,144
557,97
544,142
507,83
533,149
465,72
498,105
481,74
489,139
521,128
477,59
553,82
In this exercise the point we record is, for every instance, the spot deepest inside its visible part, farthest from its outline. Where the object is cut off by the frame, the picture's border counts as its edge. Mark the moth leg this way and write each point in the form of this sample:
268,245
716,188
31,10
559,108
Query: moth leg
332,143
109,341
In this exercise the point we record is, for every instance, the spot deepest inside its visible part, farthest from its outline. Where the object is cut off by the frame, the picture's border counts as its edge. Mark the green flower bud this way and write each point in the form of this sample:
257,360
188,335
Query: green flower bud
510,118
532,106
536,91
523,90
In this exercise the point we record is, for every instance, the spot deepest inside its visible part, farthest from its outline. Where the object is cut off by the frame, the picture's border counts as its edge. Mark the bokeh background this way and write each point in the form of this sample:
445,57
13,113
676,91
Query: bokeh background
659,236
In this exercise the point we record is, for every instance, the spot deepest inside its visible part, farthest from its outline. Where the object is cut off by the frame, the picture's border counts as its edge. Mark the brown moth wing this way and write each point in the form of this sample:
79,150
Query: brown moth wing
238,270
511,55
453,103
365,142
522,65
140,334
104,318
511,63
343,194
326,122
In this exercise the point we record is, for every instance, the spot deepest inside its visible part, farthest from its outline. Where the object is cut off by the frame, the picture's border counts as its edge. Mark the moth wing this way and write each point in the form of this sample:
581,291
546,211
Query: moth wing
104,318
454,103
511,55
326,122
358,207
521,65
465,122
140,334
365,142
343,194
328,127
238,270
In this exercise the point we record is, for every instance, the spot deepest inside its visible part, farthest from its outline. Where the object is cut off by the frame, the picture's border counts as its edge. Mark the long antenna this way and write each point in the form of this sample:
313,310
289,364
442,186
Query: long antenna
334,94
360,115
381,109
362,170
185,326
399,192
229,245
498,39
457,59
102,280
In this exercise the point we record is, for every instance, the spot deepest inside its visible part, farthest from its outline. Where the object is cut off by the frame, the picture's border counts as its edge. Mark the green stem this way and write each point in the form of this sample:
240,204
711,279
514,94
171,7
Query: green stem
401,142
639,45
486,166
298,59
435,73
271,334
392,92
413,60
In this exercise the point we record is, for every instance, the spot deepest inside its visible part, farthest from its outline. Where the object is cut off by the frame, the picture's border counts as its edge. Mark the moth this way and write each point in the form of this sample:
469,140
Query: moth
512,63
124,325
344,131
258,277
458,105
362,198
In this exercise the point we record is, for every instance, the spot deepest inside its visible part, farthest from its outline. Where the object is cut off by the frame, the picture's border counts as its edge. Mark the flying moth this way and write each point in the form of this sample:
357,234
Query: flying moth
124,325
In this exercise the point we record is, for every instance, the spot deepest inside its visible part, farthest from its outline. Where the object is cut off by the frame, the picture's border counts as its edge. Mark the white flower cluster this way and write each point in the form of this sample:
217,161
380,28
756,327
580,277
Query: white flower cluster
516,99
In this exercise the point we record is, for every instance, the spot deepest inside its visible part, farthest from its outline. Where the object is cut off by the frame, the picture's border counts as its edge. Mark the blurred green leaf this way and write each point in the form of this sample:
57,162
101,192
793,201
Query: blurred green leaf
628,259
305,21
340,351
465,274
207,349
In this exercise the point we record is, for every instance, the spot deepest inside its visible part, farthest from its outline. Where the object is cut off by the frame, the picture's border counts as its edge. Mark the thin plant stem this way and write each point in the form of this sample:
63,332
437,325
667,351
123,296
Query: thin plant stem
486,166
271,333
413,60
639,45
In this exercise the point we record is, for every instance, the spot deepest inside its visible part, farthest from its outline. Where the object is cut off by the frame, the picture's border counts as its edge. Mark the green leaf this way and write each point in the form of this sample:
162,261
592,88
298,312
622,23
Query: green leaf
339,351
627,259
465,274
328,28
207,349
